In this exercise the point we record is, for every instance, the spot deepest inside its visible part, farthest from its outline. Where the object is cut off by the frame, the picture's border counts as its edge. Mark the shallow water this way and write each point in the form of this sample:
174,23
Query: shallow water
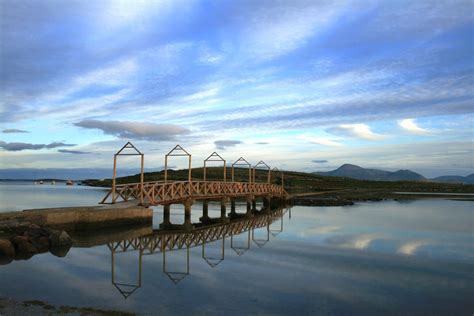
371,258
21,195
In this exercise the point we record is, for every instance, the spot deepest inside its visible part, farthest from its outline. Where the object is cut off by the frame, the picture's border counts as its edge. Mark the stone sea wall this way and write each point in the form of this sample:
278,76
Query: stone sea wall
78,218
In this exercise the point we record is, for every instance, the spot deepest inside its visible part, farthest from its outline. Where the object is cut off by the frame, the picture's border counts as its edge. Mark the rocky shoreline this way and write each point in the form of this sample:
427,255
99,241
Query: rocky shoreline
309,201
10,306
25,242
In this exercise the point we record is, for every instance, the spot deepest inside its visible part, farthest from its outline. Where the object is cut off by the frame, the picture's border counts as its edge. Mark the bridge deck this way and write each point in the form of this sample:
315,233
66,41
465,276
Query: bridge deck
160,192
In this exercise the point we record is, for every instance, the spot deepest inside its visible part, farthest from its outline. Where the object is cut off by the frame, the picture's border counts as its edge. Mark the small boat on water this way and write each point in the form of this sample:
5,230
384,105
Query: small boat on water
53,182
41,182
69,182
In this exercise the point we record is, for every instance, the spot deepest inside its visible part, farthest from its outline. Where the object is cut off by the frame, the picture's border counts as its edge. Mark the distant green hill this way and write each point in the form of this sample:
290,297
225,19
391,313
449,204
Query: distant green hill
455,179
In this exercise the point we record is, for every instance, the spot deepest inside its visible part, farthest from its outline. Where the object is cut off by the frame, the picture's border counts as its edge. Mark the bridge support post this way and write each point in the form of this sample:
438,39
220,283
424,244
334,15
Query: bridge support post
267,204
166,216
266,201
205,211
232,208
254,204
187,214
223,210
250,202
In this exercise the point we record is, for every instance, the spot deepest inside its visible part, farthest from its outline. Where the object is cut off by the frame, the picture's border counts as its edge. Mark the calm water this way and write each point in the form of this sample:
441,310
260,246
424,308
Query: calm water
371,258
21,195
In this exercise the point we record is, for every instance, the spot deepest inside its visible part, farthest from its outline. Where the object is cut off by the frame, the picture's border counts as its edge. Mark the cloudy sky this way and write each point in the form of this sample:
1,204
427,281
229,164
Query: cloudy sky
302,85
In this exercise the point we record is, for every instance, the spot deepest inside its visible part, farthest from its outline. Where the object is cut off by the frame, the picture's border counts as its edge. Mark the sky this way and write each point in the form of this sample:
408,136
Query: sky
301,85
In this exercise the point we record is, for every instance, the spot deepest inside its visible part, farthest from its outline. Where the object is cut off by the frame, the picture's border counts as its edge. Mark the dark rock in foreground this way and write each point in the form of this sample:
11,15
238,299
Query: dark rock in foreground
23,245
59,239
7,251
32,240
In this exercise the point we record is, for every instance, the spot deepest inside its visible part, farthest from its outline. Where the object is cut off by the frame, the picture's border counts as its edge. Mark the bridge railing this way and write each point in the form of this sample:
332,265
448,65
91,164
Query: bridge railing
160,192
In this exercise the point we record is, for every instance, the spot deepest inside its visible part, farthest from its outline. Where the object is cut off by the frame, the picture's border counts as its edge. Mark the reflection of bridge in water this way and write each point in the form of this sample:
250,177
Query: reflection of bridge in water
165,241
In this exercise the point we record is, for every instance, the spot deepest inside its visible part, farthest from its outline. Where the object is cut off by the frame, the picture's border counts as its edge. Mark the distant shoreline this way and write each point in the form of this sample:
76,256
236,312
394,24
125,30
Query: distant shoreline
307,189
434,193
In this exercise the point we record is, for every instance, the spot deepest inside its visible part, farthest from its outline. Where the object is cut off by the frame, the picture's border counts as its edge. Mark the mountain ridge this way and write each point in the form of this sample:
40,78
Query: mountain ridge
360,173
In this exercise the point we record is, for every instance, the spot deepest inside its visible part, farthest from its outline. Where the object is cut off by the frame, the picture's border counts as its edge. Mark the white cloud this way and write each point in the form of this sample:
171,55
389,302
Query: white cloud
209,57
204,94
324,141
118,13
222,144
356,130
353,102
83,107
361,79
29,146
405,20
116,74
119,75
411,126
13,130
111,75
135,130
276,30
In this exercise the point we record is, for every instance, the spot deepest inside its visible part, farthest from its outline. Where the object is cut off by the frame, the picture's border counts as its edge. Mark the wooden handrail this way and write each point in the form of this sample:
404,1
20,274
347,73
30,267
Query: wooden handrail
160,192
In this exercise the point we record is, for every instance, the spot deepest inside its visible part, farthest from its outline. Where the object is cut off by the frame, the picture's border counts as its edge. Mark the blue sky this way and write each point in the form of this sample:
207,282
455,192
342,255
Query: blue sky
302,85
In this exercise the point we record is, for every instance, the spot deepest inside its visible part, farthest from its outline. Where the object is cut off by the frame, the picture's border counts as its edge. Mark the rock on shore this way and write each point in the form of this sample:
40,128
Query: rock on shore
31,240
7,251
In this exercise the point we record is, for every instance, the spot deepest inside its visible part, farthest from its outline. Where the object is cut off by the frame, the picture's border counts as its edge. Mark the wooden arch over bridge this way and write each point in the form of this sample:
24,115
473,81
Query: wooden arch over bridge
177,151
282,175
242,162
167,192
214,157
261,163
127,150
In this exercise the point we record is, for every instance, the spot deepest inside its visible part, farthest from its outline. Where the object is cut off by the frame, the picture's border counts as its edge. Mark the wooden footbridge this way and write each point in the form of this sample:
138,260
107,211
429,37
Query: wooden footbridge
168,192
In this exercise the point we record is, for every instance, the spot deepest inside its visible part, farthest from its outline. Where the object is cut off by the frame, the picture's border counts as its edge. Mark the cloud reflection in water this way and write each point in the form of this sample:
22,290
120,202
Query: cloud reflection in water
411,247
